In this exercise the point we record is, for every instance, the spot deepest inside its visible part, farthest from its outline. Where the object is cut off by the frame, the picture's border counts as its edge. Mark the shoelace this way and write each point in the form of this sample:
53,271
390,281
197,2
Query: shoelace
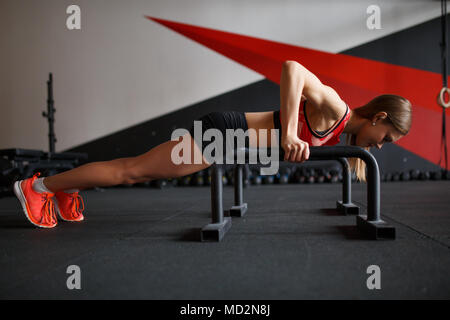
76,199
48,210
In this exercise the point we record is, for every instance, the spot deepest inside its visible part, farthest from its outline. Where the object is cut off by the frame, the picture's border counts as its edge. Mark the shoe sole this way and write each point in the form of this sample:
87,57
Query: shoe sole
19,194
59,213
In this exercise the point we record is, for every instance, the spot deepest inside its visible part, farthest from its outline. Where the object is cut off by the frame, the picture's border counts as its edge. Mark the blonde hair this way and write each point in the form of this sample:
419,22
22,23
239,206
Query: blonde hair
399,114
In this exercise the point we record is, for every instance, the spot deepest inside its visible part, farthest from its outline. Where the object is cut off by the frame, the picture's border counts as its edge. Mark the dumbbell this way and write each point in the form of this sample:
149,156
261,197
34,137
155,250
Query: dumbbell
436,175
254,177
197,179
299,175
334,176
172,182
405,176
207,177
228,173
228,177
268,179
396,176
144,184
320,176
388,177
310,175
283,175
185,180
327,175
424,175
224,180
414,174
159,183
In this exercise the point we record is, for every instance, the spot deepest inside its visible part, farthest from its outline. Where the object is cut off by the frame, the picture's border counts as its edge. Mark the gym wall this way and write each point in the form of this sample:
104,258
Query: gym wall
123,82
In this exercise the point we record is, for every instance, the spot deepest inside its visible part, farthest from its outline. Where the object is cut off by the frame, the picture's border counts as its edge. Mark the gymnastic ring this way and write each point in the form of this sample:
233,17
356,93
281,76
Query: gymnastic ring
441,100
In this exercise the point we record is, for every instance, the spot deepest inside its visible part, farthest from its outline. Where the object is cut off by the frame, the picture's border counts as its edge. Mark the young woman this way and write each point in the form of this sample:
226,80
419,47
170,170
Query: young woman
311,114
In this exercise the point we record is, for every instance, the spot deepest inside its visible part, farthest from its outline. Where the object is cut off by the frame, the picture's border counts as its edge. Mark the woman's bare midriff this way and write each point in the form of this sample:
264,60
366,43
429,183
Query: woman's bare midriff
264,120
261,120
257,121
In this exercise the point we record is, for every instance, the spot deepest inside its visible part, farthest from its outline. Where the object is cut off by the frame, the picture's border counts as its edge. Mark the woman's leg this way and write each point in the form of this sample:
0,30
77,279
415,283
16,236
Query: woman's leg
154,164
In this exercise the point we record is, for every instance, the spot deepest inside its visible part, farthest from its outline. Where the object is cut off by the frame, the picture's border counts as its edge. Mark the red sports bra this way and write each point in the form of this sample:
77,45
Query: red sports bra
328,137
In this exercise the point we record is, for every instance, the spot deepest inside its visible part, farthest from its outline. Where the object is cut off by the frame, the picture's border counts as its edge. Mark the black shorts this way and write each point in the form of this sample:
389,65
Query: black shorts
277,125
222,121
232,120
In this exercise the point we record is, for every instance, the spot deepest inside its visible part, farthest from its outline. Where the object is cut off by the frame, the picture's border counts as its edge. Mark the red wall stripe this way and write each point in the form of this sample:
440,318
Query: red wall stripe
357,80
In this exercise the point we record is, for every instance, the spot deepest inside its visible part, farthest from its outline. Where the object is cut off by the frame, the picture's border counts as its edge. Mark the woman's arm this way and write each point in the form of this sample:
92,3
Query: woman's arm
297,80
292,83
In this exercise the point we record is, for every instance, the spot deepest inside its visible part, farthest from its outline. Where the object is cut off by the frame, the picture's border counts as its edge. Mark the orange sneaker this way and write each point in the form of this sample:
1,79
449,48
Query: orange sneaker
38,207
67,206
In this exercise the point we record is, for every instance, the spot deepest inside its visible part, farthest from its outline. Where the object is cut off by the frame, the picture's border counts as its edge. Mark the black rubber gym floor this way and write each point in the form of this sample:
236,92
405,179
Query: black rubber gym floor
143,243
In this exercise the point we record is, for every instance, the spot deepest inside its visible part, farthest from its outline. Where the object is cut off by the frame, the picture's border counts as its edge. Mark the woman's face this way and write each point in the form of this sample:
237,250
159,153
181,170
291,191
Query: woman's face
376,135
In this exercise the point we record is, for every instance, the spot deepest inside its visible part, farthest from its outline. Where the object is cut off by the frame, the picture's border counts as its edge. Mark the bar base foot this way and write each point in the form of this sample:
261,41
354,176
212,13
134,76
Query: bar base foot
375,230
215,231
237,211
347,208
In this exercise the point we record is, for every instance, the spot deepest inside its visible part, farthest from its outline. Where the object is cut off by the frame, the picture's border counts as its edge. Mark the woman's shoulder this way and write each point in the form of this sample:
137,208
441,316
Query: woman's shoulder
333,106
328,103
340,110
